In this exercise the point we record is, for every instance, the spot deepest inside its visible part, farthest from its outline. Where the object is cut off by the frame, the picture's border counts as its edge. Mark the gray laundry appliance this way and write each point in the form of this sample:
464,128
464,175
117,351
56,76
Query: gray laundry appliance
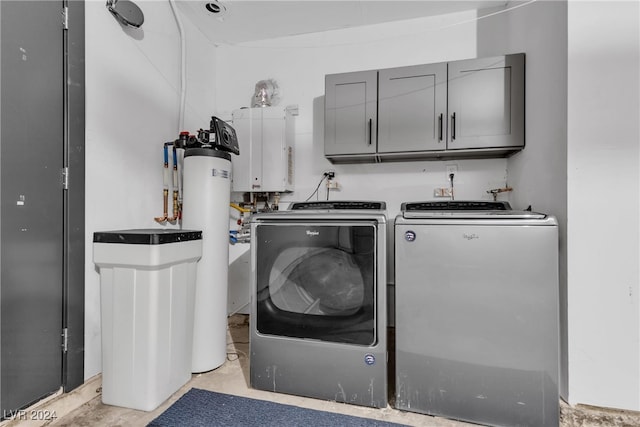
477,313
318,311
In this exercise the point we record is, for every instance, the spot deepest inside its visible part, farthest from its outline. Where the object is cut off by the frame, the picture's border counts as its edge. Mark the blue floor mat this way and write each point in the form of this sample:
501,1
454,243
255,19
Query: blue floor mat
198,408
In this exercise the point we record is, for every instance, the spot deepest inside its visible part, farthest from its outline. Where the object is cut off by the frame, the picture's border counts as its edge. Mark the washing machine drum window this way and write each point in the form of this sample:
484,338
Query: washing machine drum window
318,281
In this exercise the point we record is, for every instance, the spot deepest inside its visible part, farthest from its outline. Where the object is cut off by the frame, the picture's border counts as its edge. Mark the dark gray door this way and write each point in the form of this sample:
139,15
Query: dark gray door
31,192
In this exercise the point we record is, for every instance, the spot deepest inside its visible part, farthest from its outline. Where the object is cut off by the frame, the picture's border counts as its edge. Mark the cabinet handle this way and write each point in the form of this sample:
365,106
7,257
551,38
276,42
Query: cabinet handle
370,130
440,127
453,126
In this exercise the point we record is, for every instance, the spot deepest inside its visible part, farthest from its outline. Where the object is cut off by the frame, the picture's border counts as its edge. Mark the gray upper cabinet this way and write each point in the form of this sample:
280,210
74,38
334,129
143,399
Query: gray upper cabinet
486,103
351,114
462,109
412,105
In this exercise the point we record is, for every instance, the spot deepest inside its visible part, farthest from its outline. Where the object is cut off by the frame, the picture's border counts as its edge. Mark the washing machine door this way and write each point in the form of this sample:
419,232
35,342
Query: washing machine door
316,280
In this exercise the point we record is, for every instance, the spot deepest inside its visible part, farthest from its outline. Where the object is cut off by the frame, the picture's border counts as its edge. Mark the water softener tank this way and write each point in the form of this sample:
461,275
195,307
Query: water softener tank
205,206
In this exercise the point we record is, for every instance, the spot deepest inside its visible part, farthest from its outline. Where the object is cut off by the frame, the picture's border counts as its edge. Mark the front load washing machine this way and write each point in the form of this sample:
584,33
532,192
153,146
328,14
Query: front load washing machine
318,313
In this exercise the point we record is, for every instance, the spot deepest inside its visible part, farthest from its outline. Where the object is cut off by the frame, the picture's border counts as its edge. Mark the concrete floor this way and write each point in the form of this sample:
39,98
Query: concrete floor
83,407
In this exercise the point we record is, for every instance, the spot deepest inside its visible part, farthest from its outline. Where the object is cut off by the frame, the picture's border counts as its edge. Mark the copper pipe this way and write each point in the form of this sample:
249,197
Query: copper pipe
176,205
494,192
176,208
165,204
165,181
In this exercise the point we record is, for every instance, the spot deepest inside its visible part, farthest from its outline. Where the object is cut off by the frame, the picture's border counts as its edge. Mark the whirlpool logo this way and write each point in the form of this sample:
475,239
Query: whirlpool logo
410,236
369,359
312,233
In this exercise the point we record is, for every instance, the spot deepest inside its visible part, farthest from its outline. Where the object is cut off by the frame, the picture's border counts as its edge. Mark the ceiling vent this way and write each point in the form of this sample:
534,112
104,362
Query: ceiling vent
216,8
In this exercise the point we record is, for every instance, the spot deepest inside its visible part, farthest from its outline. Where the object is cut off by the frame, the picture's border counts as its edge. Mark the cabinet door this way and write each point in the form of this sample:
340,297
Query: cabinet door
350,113
412,105
486,102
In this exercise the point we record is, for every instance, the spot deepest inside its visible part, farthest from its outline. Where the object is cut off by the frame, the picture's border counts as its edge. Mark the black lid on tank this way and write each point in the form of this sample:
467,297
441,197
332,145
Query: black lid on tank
150,236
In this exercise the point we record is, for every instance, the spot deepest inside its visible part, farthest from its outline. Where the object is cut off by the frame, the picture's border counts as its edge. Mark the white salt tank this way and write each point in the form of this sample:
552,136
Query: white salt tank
147,283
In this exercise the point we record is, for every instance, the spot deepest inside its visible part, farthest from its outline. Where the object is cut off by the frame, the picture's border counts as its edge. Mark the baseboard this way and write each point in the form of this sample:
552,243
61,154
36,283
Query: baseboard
57,405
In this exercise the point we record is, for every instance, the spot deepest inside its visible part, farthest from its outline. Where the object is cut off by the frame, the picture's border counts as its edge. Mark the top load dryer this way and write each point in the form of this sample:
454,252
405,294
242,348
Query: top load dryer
477,313
318,312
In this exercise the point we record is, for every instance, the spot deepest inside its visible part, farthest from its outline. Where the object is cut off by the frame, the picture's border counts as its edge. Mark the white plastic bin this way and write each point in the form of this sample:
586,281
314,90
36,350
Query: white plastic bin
147,288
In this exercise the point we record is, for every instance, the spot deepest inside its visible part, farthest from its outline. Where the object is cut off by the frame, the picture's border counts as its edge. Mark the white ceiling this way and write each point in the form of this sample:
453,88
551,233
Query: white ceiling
246,20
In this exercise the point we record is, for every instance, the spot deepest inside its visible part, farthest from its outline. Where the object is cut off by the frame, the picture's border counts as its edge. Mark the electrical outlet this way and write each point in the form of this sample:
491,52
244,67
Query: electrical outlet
442,192
333,185
451,169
